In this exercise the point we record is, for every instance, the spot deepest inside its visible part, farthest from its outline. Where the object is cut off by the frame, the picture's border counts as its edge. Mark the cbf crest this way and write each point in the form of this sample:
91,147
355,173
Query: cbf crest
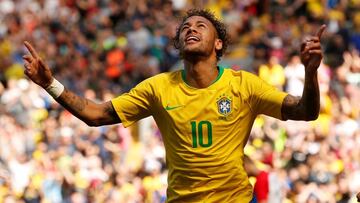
224,105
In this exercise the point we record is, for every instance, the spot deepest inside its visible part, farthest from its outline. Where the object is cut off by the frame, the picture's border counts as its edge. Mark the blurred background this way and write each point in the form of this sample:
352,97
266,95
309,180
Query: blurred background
100,49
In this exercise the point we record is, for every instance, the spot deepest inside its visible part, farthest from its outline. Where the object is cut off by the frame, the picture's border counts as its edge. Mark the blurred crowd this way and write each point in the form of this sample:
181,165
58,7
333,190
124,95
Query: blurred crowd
102,48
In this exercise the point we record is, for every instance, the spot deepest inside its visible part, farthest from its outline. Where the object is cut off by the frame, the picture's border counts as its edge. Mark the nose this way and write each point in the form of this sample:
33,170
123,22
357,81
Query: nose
191,29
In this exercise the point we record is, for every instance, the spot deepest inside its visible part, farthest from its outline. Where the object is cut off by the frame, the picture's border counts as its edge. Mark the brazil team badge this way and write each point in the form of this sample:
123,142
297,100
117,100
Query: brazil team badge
224,105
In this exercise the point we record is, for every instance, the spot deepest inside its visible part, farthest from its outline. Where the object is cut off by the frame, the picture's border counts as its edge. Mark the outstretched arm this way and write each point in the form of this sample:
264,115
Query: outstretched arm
307,106
88,111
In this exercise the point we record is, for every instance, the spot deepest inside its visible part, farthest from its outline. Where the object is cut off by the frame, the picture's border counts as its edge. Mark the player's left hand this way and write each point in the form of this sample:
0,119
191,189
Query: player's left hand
311,53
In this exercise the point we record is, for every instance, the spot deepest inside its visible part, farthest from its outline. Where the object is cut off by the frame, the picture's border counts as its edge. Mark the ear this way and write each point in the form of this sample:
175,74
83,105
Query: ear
218,44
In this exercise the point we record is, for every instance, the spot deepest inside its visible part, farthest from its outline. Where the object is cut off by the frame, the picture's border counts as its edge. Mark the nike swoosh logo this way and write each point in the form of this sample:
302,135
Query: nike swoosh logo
169,108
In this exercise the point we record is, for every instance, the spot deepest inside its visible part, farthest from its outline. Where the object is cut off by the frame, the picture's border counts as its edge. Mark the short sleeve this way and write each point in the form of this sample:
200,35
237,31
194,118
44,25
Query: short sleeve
135,105
264,98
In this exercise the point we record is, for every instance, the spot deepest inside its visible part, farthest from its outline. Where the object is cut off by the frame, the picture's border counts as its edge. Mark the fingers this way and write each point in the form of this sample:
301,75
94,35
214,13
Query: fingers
27,64
317,52
309,40
27,69
321,31
31,50
309,46
312,44
313,38
28,58
41,62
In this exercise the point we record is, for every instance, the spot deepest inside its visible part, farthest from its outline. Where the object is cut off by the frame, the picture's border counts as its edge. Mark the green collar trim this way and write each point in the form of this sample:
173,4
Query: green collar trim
221,71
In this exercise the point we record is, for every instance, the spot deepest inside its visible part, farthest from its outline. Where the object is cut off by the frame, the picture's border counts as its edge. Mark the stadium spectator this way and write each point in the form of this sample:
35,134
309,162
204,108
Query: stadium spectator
202,40
36,132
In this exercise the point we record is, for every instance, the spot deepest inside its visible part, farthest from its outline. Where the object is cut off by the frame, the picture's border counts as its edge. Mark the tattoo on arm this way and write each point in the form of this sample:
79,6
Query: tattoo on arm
72,102
91,113
78,103
290,107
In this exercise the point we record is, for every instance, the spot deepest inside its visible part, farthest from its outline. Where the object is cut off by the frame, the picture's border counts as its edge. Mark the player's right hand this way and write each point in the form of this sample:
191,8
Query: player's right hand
35,68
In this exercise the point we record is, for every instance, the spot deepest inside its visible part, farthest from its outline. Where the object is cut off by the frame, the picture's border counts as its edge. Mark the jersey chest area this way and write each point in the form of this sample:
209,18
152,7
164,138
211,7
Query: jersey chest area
203,125
202,112
214,105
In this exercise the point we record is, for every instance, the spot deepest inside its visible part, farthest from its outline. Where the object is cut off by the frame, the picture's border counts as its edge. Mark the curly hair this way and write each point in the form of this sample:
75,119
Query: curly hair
219,26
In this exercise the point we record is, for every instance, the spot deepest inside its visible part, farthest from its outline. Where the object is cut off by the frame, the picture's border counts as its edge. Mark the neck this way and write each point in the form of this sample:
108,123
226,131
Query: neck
201,73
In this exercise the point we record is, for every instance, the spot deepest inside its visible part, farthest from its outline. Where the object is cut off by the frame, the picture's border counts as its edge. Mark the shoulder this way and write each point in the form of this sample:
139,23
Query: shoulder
245,82
160,81
163,77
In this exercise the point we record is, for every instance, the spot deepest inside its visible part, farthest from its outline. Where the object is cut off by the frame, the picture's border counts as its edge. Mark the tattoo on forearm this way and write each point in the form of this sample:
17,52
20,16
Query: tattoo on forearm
72,102
77,102
86,110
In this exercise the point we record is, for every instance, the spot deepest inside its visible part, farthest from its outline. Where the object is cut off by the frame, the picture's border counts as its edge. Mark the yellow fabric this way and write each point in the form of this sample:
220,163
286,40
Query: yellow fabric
204,148
274,75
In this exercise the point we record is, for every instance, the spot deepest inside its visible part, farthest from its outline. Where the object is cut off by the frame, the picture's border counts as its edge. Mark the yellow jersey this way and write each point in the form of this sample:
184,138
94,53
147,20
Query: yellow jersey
204,130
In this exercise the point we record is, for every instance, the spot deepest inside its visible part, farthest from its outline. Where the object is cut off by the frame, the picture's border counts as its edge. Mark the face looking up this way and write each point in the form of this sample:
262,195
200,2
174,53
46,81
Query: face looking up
198,38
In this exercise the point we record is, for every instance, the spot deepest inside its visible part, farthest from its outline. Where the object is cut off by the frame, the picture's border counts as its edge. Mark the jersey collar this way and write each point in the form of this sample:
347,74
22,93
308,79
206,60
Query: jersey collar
221,71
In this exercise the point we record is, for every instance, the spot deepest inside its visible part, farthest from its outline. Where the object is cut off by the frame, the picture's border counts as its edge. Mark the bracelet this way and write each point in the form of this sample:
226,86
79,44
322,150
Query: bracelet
55,88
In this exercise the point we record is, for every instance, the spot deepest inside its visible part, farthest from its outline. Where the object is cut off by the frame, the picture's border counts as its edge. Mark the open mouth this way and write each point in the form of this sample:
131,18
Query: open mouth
192,39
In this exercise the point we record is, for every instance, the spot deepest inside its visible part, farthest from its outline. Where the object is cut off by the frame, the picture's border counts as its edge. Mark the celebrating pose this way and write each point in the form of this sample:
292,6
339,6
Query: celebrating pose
204,112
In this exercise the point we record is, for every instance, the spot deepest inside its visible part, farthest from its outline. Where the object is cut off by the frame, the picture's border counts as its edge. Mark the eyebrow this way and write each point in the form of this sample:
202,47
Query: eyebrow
197,22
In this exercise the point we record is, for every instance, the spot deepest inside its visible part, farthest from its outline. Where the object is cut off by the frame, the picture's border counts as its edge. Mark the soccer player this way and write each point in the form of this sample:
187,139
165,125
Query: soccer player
204,112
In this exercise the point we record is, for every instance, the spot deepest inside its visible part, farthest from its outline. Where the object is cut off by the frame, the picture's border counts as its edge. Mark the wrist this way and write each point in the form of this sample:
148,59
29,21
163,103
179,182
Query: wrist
311,72
45,86
55,88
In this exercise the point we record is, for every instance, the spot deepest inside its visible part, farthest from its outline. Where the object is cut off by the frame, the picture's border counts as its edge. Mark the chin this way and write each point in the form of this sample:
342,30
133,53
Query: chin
193,54
193,51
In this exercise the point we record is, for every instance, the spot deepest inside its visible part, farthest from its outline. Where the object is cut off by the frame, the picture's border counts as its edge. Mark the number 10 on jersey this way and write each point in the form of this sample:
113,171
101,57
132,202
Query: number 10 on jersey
197,131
